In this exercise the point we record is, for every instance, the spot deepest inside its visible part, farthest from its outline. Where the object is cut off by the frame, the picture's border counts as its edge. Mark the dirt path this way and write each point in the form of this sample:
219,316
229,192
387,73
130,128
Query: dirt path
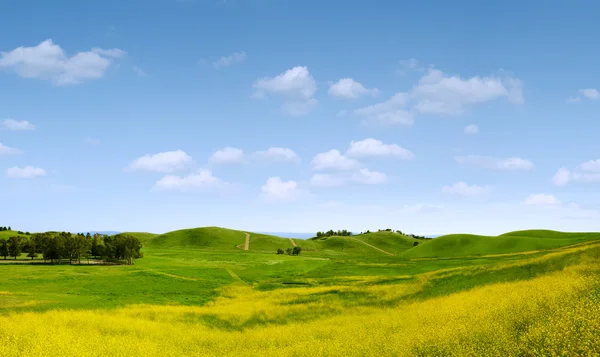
293,243
372,246
234,275
247,244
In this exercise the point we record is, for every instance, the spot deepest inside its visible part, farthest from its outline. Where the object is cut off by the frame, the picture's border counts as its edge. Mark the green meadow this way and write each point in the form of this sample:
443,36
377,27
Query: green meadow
334,277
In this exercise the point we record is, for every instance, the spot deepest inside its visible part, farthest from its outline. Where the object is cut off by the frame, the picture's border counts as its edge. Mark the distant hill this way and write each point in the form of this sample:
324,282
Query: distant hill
110,233
460,245
290,234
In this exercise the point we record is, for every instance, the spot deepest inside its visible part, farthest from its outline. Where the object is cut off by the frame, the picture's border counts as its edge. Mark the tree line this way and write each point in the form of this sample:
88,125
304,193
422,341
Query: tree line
290,251
345,232
55,246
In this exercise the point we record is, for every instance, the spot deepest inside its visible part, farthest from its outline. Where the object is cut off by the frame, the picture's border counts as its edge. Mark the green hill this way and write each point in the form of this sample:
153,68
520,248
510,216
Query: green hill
8,234
217,238
457,245
373,243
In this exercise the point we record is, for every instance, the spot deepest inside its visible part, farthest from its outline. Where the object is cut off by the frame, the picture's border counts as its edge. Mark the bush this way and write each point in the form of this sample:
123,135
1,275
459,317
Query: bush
415,244
280,251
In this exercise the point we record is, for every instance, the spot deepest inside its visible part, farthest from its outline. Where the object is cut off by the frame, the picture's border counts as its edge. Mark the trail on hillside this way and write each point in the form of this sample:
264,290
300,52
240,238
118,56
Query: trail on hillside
293,243
247,244
234,275
372,246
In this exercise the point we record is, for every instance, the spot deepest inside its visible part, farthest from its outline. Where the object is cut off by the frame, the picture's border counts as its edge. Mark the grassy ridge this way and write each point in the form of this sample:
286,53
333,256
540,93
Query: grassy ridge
462,245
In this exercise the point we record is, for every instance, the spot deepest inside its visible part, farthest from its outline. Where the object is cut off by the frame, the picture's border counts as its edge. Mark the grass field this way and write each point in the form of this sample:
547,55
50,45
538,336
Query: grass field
195,292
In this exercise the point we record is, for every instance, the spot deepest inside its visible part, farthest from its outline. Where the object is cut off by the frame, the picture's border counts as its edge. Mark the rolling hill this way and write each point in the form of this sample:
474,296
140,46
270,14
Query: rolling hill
216,238
459,245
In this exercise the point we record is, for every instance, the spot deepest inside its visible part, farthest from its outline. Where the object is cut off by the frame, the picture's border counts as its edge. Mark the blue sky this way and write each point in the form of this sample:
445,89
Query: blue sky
159,115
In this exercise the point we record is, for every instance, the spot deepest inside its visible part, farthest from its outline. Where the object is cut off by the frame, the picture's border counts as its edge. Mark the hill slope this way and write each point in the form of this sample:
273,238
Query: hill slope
374,243
457,245
216,238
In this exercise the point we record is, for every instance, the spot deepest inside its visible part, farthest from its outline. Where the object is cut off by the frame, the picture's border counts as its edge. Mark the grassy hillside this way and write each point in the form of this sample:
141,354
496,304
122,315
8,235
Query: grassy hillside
8,234
388,241
460,245
143,236
216,238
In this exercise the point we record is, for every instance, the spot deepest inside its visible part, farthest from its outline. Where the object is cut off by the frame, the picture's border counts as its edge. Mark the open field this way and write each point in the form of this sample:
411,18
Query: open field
196,292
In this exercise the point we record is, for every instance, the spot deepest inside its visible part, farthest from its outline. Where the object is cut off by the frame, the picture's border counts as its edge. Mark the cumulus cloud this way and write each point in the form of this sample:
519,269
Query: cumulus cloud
201,180
277,190
587,172
389,112
438,93
277,154
442,94
7,150
362,176
226,61
463,189
542,199
367,177
333,160
350,89
12,124
471,129
27,172
48,61
373,147
590,93
486,162
227,155
592,166
296,86
164,162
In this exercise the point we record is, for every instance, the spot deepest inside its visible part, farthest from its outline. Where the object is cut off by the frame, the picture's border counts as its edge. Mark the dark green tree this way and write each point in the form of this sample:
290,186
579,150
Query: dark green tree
296,251
15,245
4,248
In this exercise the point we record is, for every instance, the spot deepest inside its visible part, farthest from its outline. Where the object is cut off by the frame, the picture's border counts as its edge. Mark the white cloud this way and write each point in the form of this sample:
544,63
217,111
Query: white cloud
590,93
327,180
367,177
350,89
463,189
7,150
27,172
295,85
165,162
48,61
363,176
562,177
486,162
438,93
585,173
227,155
373,147
201,180
277,154
471,129
12,124
388,112
572,100
592,166
140,72
542,199
333,160
277,190
226,61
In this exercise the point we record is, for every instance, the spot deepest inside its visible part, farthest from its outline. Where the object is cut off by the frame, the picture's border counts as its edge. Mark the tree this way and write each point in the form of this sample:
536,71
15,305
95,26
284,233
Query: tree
127,247
415,244
9,229
296,250
279,251
14,246
32,252
4,248
289,251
